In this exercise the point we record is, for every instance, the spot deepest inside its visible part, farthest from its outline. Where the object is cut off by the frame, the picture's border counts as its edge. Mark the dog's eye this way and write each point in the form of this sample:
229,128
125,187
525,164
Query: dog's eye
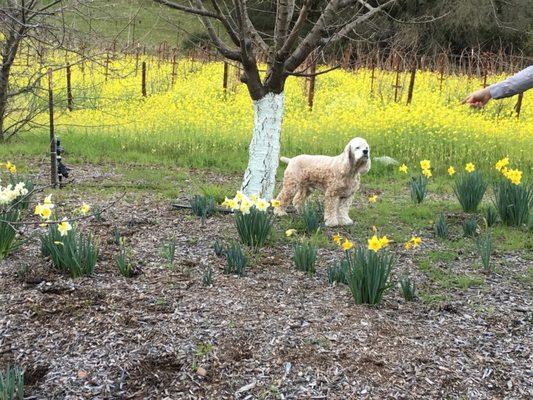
357,148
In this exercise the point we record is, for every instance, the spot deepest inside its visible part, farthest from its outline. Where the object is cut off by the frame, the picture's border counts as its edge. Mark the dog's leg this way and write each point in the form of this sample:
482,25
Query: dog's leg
344,208
299,200
331,210
284,198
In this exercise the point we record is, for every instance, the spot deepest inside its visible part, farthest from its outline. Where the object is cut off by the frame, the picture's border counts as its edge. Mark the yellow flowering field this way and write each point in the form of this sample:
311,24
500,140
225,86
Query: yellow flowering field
195,123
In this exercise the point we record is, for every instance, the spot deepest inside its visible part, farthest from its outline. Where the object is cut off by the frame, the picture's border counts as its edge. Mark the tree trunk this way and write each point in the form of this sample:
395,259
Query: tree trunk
263,161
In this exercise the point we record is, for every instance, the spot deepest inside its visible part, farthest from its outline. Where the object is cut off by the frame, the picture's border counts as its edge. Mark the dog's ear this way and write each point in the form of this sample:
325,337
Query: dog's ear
349,157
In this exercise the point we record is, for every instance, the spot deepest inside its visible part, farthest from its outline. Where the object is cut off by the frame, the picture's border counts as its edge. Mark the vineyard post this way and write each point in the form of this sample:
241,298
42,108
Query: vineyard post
106,65
173,68
411,83
518,105
53,149
397,85
372,76
311,88
69,90
138,50
143,79
225,78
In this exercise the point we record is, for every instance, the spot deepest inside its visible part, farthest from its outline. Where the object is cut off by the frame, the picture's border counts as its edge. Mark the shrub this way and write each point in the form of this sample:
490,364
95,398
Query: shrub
470,226
513,202
484,248
203,206
253,227
418,188
337,272
73,253
207,278
235,260
441,227
168,250
491,216
305,257
218,247
312,216
368,273
469,189
408,288
12,384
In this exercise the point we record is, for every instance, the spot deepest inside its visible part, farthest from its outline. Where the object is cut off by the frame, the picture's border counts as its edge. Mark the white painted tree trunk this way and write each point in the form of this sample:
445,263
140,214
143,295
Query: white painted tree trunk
260,175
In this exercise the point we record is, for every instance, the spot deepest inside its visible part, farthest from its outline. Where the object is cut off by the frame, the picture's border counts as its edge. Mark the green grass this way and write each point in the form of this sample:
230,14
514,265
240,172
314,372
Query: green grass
446,278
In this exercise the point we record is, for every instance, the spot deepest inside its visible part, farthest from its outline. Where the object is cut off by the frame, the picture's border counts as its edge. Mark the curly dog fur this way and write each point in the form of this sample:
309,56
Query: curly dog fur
338,177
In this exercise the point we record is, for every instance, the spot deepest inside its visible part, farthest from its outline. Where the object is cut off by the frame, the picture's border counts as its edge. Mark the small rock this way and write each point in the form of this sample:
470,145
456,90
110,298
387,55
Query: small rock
201,371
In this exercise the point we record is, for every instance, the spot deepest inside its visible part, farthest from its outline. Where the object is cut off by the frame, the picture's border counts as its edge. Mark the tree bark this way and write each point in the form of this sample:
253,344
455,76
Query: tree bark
263,161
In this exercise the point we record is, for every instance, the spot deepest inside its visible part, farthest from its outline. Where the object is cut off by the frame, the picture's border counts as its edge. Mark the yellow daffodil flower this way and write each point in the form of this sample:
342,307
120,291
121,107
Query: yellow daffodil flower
504,162
451,171
427,173
408,245
425,164
262,205
337,239
416,241
290,232
347,245
373,198
85,208
374,243
63,227
275,203
403,168
384,241
470,167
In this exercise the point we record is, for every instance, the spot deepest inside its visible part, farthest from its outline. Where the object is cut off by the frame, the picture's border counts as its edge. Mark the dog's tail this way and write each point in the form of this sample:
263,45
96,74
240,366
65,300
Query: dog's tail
286,160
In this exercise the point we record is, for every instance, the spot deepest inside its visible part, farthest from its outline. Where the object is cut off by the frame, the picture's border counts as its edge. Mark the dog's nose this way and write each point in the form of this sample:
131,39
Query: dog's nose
365,152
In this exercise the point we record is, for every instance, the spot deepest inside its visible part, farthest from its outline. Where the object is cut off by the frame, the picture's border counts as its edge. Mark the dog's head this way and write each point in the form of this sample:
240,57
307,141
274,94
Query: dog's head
357,152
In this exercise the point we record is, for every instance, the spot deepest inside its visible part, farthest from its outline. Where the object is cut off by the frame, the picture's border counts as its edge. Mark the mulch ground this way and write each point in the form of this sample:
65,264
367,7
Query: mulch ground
273,334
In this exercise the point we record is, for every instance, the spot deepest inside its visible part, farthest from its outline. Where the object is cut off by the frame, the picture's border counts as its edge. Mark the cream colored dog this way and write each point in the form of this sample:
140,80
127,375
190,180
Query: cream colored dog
338,177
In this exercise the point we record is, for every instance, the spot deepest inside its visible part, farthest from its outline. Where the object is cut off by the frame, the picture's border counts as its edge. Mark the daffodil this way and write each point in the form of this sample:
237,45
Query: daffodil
427,173
504,162
384,241
470,167
451,171
290,232
46,212
13,169
403,168
262,205
347,245
337,239
514,175
275,203
48,201
85,208
425,164
408,245
373,198
245,206
63,227
374,243
415,240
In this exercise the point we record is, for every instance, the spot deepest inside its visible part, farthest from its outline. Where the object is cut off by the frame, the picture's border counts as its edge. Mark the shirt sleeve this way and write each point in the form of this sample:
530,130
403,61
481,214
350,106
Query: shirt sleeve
517,83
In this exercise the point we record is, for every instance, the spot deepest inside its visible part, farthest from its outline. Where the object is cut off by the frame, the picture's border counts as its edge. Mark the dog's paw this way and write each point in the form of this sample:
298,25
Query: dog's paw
345,221
331,222
279,212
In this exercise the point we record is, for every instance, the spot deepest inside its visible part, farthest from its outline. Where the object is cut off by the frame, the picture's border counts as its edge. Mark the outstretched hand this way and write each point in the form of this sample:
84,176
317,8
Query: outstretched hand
478,98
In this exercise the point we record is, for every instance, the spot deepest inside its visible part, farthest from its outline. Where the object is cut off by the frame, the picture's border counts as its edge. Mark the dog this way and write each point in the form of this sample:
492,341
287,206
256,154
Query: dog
338,177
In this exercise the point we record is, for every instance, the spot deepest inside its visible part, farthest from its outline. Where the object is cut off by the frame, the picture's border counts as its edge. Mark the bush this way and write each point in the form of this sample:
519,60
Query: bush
73,253
305,257
253,227
491,216
484,247
418,188
408,288
338,271
441,227
12,384
368,273
470,226
513,202
469,189
203,206
312,216
235,260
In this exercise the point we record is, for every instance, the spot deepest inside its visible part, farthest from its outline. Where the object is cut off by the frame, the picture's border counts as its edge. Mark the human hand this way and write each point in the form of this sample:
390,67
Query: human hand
478,98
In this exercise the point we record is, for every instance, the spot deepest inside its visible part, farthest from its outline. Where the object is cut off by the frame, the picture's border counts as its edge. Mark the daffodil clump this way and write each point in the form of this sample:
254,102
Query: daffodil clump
413,243
252,218
514,175
469,188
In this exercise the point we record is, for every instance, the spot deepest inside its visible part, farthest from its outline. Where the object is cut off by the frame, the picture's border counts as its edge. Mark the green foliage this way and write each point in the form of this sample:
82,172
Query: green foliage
168,251
368,274
254,227
470,226
207,278
203,206
218,247
74,253
217,192
484,247
117,236
441,227
469,189
491,216
235,260
408,288
305,257
419,190
124,264
513,202
338,272
12,384
8,234
312,217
